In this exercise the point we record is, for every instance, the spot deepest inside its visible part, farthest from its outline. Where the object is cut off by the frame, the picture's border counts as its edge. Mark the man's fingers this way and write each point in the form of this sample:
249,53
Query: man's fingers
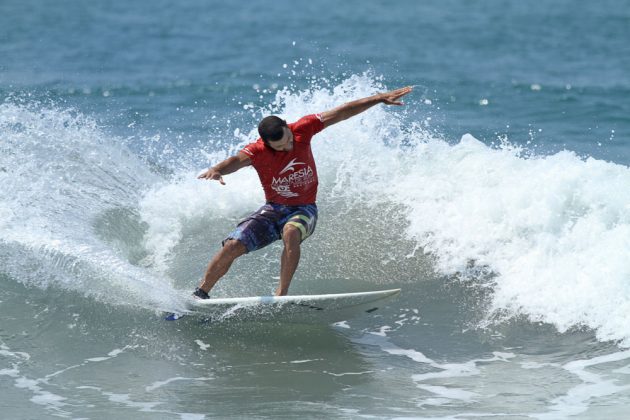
203,175
393,102
403,91
211,177
391,98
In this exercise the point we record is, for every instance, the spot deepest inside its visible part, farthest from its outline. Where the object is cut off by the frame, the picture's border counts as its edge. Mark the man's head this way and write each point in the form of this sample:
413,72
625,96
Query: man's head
276,134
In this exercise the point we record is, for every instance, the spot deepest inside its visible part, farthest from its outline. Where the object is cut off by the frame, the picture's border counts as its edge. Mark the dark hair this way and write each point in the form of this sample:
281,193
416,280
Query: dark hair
271,128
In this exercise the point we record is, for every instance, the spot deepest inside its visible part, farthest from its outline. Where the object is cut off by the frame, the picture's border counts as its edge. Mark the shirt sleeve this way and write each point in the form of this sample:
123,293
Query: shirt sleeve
253,150
309,125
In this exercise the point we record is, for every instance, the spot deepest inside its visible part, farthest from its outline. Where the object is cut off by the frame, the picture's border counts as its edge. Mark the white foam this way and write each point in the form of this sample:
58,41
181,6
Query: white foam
6,351
202,345
367,372
42,397
449,394
97,359
60,173
555,229
593,385
441,394
168,207
191,416
112,354
13,372
116,352
125,399
146,406
160,384
48,399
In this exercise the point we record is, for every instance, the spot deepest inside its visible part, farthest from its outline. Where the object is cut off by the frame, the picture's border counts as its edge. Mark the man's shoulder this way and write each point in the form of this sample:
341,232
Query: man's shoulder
307,120
254,148
309,124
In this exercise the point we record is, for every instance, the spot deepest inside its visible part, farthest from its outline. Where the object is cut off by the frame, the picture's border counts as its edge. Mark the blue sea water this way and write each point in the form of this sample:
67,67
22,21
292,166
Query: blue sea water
497,198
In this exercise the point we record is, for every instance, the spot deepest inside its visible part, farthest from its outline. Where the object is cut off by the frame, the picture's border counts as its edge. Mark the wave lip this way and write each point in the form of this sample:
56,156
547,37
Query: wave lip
555,230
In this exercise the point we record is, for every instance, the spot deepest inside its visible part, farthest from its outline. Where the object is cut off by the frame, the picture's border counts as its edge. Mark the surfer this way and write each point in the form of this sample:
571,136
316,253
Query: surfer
283,159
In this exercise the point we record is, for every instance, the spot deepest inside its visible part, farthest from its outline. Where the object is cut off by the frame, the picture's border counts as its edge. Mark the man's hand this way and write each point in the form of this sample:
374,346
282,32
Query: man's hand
391,98
353,108
228,166
212,174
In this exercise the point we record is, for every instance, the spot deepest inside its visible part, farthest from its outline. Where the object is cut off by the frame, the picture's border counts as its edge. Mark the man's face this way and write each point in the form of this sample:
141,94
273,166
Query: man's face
285,144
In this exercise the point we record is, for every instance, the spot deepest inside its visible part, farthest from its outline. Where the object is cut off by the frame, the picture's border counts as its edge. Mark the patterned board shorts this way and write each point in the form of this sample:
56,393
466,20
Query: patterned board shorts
265,225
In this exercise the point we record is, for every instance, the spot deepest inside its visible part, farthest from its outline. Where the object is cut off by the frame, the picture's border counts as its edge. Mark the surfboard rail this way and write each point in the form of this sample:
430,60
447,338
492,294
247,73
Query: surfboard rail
292,308
265,300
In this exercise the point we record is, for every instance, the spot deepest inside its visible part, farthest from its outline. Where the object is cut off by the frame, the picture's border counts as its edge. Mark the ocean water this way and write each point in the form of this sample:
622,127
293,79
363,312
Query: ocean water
497,199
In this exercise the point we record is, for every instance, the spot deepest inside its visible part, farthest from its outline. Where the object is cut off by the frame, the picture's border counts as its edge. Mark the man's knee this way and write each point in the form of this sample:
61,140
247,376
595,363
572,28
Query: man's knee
233,248
291,236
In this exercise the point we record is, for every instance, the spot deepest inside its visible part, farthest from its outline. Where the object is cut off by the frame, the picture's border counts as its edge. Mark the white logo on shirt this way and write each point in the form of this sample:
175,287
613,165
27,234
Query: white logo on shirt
299,178
284,191
290,166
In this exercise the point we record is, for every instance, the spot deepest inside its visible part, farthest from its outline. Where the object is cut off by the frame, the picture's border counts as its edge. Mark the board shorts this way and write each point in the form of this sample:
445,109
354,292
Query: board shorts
266,224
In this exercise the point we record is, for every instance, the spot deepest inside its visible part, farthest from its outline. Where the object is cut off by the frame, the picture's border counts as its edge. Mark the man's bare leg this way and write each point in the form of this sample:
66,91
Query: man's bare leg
221,262
291,237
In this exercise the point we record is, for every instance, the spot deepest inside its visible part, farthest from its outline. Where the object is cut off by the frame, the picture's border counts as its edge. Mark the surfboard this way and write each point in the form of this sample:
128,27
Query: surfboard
326,308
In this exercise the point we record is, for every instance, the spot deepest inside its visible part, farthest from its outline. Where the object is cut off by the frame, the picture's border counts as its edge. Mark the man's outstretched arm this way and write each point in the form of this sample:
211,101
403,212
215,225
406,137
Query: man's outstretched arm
228,166
353,108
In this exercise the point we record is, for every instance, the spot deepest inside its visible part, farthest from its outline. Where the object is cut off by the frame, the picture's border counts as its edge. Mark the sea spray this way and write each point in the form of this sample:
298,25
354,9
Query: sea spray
61,175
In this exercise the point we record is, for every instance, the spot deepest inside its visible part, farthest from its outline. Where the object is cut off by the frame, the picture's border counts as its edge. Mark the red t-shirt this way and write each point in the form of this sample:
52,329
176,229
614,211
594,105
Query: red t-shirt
288,178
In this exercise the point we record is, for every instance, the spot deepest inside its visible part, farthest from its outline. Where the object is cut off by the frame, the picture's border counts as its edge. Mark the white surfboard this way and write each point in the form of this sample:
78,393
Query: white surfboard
303,309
